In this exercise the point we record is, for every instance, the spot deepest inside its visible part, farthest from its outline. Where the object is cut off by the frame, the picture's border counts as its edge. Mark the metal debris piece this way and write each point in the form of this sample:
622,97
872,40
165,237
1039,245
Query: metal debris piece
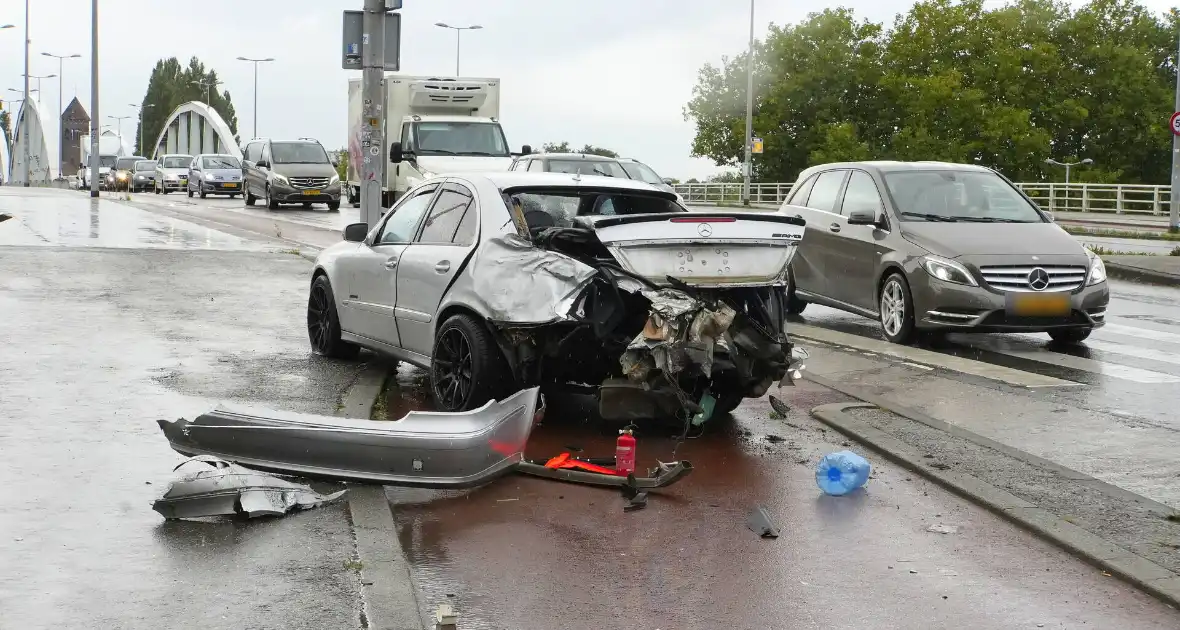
760,523
225,489
779,406
424,449
939,528
637,502
662,476
444,616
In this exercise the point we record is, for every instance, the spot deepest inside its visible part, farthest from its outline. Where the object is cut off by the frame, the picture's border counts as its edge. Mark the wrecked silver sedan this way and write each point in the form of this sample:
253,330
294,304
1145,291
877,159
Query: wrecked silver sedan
498,281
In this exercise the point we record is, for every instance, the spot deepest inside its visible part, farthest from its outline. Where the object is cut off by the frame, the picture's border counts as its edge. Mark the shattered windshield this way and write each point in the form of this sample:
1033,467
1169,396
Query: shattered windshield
950,196
461,138
642,172
558,209
602,168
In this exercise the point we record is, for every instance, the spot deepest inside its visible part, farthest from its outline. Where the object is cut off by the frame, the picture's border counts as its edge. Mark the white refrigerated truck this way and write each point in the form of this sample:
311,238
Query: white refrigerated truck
431,126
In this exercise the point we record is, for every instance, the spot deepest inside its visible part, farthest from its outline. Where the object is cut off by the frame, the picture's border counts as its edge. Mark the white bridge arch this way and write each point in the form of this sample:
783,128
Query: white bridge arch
195,128
30,129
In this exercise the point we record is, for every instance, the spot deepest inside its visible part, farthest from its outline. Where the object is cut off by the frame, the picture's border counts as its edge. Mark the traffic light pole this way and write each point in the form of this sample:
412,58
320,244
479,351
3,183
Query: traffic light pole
373,111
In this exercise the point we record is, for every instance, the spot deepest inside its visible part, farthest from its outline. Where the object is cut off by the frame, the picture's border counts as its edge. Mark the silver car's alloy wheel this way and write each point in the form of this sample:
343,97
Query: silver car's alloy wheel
892,307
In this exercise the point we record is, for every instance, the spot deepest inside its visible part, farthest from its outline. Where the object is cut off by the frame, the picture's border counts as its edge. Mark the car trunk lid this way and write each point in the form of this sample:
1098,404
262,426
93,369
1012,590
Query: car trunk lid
718,249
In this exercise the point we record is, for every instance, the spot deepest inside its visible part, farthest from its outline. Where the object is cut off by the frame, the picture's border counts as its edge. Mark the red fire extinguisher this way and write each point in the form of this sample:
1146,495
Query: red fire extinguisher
625,453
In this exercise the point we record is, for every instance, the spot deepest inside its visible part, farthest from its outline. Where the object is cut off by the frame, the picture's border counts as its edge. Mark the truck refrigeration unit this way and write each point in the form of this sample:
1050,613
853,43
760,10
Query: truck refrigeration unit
432,126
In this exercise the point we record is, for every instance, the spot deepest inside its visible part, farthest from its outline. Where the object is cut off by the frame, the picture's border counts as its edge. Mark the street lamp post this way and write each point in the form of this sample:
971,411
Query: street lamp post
1068,165
208,85
61,143
25,119
749,112
38,88
141,148
458,32
256,62
95,129
120,120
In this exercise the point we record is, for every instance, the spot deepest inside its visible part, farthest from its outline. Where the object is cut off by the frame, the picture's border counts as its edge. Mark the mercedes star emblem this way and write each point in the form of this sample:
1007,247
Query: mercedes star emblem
705,229
1038,279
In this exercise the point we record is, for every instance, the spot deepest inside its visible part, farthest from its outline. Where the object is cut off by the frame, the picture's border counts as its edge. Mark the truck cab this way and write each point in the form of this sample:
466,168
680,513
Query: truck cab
434,126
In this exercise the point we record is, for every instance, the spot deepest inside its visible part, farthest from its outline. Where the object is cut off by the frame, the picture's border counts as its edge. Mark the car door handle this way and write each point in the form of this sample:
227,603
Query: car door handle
835,227
443,266
391,263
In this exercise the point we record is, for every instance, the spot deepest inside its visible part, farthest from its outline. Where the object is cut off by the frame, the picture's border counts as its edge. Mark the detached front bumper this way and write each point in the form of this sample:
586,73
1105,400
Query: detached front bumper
286,193
942,305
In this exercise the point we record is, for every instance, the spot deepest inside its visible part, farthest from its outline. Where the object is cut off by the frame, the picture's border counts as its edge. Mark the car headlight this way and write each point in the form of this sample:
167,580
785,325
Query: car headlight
1097,269
122,176
279,178
427,174
335,179
947,270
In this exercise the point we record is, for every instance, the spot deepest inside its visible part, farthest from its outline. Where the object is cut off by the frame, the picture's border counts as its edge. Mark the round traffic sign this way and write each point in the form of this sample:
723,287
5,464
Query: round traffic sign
1174,123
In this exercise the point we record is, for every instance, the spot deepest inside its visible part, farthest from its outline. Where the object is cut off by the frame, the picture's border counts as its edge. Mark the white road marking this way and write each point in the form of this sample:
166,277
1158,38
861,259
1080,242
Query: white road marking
917,365
1141,333
1008,375
1041,355
1135,351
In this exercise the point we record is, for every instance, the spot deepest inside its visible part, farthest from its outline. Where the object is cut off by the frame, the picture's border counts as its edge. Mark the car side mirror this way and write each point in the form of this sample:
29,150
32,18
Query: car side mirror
262,164
862,217
356,232
526,150
1051,216
395,152
335,161
668,181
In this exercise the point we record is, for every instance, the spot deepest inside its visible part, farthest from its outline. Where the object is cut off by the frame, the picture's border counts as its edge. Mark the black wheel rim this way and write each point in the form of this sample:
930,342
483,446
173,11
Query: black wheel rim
319,319
452,369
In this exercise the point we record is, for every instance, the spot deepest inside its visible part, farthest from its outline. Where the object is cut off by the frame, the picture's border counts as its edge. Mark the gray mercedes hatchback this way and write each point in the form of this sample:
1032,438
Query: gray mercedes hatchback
934,246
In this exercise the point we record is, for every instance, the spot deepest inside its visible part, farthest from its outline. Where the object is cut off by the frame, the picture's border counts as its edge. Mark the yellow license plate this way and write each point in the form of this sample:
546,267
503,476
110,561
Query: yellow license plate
311,192
231,185
183,182
1039,304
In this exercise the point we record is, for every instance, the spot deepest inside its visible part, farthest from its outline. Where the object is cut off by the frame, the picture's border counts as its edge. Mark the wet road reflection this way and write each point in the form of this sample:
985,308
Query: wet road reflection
56,219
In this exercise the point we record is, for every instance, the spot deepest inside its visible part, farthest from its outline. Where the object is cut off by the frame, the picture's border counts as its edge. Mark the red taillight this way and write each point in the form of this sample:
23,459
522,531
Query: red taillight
704,220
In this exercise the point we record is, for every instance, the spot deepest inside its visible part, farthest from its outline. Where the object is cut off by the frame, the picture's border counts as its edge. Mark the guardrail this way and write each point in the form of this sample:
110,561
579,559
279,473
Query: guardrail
1108,198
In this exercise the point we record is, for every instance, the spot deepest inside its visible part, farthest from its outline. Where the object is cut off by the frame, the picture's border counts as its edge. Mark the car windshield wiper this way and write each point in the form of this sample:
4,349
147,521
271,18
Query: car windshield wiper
443,151
930,217
484,153
991,220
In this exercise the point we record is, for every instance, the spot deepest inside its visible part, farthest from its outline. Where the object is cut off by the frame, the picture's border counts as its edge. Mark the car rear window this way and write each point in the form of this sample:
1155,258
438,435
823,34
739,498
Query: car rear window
558,208
603,168
145,166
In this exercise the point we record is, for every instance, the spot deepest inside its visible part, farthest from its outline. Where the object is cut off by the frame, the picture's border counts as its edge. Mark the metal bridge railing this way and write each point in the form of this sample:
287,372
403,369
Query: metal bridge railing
1111,198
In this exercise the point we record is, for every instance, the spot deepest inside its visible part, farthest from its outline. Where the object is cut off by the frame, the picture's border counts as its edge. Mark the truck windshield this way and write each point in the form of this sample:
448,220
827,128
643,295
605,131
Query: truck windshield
460,138
642,172
298,153
108,161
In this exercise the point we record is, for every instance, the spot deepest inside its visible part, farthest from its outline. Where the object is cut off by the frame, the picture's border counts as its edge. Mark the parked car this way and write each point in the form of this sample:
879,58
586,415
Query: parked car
144,175
172,173
492,281
644,173
290,171
569,163
930,246
119,178
214,174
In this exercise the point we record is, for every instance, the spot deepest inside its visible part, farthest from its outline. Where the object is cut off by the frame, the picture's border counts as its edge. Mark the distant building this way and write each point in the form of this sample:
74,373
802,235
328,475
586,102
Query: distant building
75,123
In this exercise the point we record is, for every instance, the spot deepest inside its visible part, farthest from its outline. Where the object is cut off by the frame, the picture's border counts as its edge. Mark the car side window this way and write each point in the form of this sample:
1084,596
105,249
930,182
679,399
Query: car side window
861,194
824,192
402,222
537,166
445,215
265,153
407,139
465,233
799,194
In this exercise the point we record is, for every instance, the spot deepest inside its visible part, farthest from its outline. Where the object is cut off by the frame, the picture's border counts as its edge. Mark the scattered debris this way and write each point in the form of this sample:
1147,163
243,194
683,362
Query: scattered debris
760,523
637,502
842,472
939,528
775,439
940,466
913,571
4,216
225,489
779,407
444,616
505,500
662,476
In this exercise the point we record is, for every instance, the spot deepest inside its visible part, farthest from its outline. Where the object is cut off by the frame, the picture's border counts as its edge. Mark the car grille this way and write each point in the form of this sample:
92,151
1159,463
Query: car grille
1016,277
308,182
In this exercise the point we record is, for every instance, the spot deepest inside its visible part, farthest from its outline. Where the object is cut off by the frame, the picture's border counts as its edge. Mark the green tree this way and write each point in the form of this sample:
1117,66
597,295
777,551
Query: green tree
6,127
564,147
590,149
170,86
555,147
342,164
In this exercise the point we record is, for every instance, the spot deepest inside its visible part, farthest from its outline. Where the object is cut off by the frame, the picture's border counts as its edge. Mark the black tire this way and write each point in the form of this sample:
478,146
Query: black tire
306,205
795,304
271,204
901,331
232,196
333,206
190,193
323,323
466,366
204,195
250,199
726,402
1069,335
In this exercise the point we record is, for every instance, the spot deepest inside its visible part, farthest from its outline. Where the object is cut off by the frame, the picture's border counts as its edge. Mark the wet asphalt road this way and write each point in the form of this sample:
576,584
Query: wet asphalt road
522,553
111,318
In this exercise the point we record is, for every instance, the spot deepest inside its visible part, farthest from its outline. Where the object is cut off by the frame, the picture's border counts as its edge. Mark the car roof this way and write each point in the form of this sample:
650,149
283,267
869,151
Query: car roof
216,155
573,156
518,179
168,155
889,166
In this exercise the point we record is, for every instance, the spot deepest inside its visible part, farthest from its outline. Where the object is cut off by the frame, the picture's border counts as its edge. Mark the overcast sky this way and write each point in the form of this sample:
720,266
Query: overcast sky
613,73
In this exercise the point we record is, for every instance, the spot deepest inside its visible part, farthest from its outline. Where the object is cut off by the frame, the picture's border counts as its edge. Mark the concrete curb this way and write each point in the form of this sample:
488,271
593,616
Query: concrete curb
1136,570
388,598
1127,272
